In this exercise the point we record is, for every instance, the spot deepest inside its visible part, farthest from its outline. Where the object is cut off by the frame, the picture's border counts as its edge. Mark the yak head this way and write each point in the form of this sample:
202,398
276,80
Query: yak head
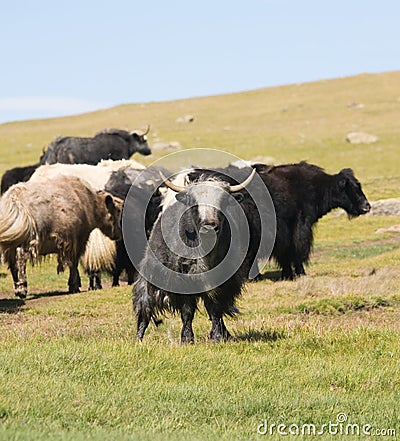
349,195
109,211
204,202
138,141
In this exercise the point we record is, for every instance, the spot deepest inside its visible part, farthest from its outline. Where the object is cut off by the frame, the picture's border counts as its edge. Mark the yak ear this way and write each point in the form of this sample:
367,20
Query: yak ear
238,197
347,172
109,203
184,198
344,176
341,182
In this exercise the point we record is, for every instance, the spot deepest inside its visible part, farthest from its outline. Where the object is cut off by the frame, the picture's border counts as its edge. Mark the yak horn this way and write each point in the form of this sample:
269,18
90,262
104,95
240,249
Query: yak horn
245,183
171,185
147,130
139,133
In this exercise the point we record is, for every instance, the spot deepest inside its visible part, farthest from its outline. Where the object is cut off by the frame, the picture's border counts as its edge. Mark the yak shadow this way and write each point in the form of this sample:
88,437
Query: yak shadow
265,335
14,305
3,275
48,294
273,275
11,306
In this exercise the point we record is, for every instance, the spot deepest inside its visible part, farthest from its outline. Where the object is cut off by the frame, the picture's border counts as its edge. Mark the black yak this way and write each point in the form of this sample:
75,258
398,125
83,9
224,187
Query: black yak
142,189
302,193
189,256
112,144
17,174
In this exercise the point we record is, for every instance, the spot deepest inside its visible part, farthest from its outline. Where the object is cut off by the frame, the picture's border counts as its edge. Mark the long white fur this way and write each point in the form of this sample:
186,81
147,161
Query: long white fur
99,253
168,195
17,225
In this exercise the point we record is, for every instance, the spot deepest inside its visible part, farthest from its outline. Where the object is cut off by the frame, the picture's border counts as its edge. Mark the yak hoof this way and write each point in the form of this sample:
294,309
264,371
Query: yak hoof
187,341
74,289
21,289
218,337
21,292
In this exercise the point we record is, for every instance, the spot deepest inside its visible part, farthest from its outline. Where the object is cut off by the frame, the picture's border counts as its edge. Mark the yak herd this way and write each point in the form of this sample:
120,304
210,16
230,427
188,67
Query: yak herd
70,203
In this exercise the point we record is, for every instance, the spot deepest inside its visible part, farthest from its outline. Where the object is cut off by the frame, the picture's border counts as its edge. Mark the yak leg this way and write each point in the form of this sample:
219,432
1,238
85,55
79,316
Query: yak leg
187,309
74,280
21,287
11,258
303,238
16,259
97,277
95,280
287,270
143,307
130,272
218,329
142,323
116,274
299,268
122,262
283,249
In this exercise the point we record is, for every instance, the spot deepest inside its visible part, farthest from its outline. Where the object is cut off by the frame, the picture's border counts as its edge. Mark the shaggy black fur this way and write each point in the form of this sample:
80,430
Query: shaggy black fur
302,193
145,189
149,300
109,144
17,174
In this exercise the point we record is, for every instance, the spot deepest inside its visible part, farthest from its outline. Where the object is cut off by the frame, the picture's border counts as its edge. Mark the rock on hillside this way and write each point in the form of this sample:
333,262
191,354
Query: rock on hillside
361,138
385,207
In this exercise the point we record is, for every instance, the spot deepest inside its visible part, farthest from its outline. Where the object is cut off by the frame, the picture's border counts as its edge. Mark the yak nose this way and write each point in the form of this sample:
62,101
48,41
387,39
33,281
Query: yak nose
209,227
366,207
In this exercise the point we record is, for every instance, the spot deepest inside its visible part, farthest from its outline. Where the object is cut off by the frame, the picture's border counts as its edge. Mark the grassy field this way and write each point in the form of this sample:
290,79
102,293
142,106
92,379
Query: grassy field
303,352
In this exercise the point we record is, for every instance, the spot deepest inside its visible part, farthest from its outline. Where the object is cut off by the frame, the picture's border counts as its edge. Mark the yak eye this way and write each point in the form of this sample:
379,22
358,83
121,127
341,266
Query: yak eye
184,198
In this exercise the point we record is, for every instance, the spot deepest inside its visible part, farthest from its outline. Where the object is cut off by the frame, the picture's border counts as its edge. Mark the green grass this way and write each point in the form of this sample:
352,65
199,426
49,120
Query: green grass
302,352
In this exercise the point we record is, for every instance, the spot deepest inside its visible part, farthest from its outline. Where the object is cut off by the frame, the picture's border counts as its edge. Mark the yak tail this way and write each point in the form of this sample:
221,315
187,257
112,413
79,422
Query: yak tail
100,253
17,225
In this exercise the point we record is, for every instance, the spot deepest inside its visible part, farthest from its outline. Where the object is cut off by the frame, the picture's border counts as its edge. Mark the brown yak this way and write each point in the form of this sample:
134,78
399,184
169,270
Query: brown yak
53,216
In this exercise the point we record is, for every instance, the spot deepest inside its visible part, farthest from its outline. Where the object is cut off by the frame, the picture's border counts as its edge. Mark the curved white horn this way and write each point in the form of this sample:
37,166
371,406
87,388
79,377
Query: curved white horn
171,185
245,183
140,133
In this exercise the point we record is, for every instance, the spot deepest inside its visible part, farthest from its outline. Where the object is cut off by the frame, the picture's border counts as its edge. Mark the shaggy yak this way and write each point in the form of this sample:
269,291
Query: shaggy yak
144,193
100,252
112,144
53,216
302,193
189,257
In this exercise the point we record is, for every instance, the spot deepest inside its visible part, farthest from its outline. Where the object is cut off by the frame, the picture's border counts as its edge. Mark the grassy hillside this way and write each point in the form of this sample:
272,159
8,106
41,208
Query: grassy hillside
289,123
303,352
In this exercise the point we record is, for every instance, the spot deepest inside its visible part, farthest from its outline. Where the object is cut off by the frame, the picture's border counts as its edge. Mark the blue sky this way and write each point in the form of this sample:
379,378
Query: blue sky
61,58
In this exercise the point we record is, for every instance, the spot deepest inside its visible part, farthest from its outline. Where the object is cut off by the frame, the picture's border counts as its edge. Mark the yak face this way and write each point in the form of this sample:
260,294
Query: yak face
110,213
350,195
202,208
206,202
204,225
139,144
